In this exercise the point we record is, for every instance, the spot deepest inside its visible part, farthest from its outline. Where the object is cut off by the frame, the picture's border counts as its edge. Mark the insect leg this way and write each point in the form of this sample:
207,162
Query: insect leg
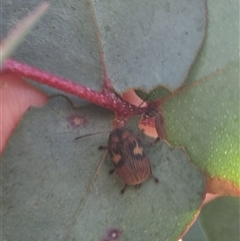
123,190
153,176
101,148
138,186
155,179
157,140
112,171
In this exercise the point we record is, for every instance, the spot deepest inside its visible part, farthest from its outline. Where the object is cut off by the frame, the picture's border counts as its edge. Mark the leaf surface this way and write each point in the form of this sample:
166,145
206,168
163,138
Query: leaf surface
145,44
204,119
55,186
206,114
221,219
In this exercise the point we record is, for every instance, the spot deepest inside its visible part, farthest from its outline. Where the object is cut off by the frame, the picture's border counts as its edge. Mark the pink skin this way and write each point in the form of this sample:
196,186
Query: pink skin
16,96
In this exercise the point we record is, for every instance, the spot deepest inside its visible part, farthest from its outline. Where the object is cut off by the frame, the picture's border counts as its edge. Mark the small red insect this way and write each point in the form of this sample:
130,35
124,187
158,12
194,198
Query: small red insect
130,161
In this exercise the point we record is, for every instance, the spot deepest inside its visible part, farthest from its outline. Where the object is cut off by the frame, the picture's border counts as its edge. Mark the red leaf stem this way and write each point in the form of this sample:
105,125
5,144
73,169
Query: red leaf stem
107,98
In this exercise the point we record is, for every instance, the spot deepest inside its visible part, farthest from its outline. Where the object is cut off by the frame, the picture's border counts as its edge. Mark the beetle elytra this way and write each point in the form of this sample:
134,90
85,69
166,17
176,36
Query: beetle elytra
130,161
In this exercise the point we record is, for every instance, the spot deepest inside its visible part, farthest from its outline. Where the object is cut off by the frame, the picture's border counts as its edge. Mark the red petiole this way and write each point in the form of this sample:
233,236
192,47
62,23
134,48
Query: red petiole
107,98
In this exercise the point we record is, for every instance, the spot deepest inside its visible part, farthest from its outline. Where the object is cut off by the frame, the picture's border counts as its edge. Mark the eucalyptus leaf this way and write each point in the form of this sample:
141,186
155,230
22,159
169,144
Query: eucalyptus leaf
15,37
56,187
203,115
203,118
222,39
221,219
145,43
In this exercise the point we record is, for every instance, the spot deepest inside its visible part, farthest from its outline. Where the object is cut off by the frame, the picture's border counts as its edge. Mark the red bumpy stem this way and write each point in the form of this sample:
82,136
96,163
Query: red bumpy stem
107,98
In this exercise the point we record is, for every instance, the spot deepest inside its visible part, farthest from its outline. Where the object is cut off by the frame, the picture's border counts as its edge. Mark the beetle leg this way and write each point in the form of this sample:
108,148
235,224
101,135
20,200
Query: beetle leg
157,140
101,148
112,171
152,175
155,179
123,190
138,185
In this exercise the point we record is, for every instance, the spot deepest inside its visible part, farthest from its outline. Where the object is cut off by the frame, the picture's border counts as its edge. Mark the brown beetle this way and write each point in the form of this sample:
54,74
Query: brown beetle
130,161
